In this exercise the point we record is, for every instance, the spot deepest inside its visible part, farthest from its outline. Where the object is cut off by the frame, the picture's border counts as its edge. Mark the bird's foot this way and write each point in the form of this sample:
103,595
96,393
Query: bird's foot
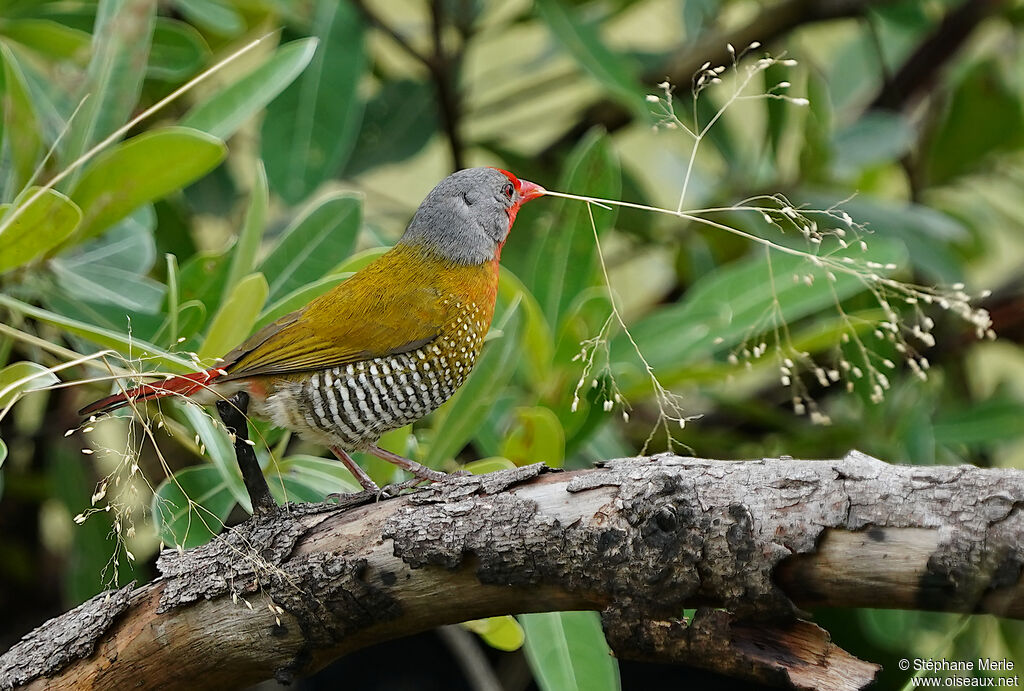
422,472
364,480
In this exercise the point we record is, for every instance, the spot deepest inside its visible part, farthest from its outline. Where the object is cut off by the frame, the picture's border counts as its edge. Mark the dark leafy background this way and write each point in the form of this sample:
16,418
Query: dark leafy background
299,162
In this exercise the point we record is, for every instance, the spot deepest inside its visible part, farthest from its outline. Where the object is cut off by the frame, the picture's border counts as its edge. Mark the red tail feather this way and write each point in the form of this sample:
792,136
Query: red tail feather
185,385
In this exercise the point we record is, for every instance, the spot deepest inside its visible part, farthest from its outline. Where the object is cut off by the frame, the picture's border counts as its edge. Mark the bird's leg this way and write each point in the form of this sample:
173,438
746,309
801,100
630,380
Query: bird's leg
365,480
418,469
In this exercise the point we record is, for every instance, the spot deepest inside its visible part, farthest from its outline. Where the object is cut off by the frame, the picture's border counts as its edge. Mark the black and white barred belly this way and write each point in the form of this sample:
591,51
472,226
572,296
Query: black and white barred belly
353,405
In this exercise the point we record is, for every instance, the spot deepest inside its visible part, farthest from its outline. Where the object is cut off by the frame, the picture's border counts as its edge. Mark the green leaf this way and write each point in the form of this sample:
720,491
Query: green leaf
38,228
583,41
320,476
732,304
876,137
535,435
191,507
223,113
112,269
21,132
178,51
994,420
566,260
398,123
140,170
48,37
221,450
538,342
21,377
235,319
502,633
313,244
489,465
243,255
3,457
567,652
985,116
106,338
113,81
214,16
309,130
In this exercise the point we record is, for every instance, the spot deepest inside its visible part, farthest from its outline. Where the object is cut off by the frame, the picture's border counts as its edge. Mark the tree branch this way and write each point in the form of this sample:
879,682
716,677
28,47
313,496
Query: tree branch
638,539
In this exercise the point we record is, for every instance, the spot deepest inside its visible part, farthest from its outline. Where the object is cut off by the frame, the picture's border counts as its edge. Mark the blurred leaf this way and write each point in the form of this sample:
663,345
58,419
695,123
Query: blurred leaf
221,451
994,420
929,234
47,37
310,129
583,41
41,226
191,507
233,323
536,435
313,244
191,317
730,305
502,633
215,16
566,259
21,139
139,170
876,137
489,465
112,269
178,51
230,107
457,420
397,124
698,14
538,343
243,254
3,457
203,278
22,377
120,46
567,652
320,476
816,152
777,110
106,338
985,116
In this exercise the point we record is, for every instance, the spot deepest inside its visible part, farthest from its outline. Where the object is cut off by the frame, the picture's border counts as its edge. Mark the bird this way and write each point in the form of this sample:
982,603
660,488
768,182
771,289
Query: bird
383,348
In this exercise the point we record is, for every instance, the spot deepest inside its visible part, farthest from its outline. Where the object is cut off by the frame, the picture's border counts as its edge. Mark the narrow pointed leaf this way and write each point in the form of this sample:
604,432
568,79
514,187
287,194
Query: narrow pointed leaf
313,244
140,170
234,321
120,46
311,127
38,228
227,110
21,131
243,255
567,652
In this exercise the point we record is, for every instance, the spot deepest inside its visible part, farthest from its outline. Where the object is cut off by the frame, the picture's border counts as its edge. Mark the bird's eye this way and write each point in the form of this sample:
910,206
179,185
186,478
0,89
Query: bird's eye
508,189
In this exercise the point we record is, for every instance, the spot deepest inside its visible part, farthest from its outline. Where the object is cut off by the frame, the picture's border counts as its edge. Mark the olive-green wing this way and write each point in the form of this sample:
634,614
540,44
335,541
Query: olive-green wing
373,314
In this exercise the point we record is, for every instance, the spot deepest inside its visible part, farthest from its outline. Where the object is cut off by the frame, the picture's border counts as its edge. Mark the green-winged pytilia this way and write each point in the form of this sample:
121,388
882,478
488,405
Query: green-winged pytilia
385,347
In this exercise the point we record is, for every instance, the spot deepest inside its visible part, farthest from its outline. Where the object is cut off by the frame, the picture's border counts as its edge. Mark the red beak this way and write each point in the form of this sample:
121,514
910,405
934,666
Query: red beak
529,190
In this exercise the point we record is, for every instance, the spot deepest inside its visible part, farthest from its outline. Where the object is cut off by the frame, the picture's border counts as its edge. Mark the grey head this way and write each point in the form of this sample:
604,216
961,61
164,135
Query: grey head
467,216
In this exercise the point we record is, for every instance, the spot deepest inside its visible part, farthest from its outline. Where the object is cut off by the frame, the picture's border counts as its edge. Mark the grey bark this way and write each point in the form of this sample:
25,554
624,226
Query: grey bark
637,539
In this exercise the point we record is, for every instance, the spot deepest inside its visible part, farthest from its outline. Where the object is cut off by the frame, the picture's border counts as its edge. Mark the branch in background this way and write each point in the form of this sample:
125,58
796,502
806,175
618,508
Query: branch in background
776,21
919,71
442,66
638,539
